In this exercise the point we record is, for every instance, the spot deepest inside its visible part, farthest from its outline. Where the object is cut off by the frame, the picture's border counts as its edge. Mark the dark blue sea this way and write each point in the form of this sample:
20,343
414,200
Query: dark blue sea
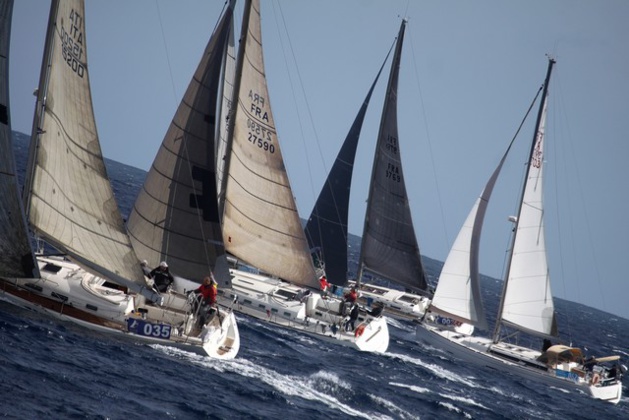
58,370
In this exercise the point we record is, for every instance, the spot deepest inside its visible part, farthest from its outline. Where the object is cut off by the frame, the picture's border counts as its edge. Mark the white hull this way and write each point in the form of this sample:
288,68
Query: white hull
274,301
520,361
69,293
397,303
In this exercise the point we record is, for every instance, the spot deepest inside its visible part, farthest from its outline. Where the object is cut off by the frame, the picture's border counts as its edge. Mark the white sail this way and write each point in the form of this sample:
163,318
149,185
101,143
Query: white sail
175,217
458,291
70,202
16,257
261,224
528,301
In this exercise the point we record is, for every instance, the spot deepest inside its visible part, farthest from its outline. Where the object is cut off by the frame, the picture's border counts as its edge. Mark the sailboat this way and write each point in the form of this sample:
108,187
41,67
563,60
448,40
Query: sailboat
526,303
274,279
175,216
97,281
389,246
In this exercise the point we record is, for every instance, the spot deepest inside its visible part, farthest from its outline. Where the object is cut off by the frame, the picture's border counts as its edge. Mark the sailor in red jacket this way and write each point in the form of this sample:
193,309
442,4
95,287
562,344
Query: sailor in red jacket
208,291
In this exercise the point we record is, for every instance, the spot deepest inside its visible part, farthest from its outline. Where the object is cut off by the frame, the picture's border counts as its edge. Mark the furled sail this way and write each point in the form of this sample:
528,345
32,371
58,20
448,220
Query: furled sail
389,246
16,256
69,199
261,225
175,217
326,228
527,301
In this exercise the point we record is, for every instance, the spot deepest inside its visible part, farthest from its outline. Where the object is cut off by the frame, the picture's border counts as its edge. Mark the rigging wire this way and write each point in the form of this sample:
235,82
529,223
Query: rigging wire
430,150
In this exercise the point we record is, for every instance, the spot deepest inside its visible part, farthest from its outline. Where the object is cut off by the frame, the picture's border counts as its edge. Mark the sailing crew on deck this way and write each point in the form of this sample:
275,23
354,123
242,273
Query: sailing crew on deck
353,316
205,302
162,277
324,285
145,268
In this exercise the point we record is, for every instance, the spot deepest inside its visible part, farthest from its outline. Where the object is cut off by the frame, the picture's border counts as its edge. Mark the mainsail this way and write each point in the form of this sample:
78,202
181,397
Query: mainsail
527,302
261,225
389,246
69,199
175,217
16,256
326,228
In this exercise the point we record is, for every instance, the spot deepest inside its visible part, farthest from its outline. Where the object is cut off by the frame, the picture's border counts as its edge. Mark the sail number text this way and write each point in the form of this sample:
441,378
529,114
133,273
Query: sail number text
72,43
260,136
141,327
393,172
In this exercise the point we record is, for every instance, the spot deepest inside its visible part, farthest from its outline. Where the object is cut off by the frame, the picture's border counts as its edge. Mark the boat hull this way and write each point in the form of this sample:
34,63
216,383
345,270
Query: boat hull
278,302
68,293
512,359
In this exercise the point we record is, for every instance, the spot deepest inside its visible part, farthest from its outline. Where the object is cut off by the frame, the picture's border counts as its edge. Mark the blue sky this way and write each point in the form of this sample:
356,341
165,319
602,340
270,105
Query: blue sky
469,72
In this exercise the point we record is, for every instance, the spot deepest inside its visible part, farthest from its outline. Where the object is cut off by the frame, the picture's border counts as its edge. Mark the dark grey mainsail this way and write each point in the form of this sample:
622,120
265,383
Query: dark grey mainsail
326,228
175,217
389,246
16,256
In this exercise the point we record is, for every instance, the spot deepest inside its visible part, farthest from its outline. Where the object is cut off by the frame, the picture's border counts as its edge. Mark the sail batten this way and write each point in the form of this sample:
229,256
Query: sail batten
261,225
175,217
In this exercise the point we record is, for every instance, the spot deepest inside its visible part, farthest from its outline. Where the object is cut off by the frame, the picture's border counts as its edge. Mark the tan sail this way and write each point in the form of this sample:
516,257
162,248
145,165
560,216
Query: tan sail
70,202
261,224
175,217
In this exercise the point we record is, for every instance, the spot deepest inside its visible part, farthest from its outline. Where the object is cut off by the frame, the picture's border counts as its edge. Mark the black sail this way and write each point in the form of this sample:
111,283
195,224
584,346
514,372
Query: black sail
326,228
389,245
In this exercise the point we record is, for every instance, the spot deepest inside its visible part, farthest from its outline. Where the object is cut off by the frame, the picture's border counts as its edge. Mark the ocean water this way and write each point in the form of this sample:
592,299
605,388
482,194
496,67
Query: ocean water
56,370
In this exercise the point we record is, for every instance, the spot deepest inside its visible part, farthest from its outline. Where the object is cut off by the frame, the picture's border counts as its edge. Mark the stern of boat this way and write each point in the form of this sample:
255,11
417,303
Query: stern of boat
372,335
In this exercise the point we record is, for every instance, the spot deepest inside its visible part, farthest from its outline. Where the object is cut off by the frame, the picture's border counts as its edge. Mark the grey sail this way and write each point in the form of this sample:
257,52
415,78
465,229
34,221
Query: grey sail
261,225
16,256
326,228
69,199
175,217
389,246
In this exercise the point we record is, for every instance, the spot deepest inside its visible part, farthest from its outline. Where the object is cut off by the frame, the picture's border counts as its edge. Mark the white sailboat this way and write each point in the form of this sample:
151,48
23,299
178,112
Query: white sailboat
389,246
70,204
526,304
261,226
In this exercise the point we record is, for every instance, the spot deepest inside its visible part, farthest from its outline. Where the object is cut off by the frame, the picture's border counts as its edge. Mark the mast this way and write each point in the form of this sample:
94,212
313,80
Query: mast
537,136
234,105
